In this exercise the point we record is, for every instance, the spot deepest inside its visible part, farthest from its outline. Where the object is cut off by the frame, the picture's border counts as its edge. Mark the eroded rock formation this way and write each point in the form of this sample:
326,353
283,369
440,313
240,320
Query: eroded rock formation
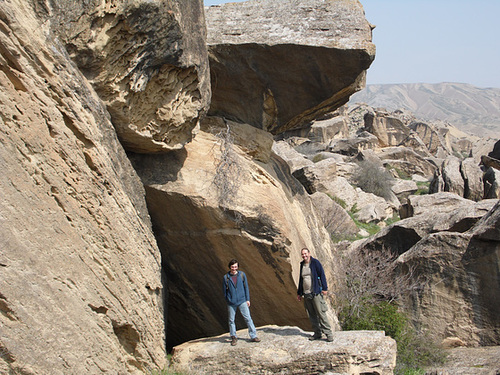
459,275
80,287
279,65
146,60
203,218
286,350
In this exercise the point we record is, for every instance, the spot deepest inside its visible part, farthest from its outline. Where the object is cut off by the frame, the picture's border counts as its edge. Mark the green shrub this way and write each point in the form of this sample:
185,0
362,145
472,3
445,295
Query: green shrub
366,300
338,200
423,188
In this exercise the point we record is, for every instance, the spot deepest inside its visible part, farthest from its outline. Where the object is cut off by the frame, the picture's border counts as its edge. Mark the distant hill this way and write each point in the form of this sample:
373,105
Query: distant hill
469,108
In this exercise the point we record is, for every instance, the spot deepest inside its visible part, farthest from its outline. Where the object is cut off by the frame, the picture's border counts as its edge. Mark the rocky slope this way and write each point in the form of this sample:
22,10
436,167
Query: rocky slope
441,244
472,109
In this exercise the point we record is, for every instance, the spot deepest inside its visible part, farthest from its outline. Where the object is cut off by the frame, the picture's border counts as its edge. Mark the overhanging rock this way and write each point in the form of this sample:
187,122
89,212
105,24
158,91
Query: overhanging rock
278,65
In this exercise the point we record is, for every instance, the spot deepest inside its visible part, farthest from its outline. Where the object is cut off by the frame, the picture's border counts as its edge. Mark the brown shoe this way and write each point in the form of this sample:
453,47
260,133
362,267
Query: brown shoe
234,340
255,339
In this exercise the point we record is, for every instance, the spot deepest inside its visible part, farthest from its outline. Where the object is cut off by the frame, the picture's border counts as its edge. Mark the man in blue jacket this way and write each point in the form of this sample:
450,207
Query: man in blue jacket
313,288
237,296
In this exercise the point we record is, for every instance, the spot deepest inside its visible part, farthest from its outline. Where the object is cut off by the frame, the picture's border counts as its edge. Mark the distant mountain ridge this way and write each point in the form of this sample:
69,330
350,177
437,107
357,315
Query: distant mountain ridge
471,109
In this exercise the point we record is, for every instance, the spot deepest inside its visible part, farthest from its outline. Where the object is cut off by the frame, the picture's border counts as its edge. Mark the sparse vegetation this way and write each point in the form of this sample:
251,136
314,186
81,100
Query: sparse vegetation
395,218
403,175
228,170
338,200
423,188
318,158
367,300
373,178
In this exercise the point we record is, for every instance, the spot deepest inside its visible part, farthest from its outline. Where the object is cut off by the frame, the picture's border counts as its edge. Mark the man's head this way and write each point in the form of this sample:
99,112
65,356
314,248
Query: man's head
306,254
233,265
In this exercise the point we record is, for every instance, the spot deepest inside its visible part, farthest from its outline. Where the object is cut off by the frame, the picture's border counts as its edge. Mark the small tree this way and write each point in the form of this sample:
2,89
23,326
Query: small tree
373,178
367,300
227,170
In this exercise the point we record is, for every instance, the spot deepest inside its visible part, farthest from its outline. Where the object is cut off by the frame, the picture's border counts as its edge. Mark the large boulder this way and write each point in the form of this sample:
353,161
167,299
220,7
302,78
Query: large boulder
277,65
407,161
292,157
318,176
473,179
449,252
495,153
351,146
335,218
492,183
448,177
211,202
286,350
458,276
80,280
147,61
434,139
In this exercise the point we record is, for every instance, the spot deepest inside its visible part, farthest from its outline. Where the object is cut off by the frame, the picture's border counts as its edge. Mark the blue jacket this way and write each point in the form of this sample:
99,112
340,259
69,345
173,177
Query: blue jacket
235,295
317,275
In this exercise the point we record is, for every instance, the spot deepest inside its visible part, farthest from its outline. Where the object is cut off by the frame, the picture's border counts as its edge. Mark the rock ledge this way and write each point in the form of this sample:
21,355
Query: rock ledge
287,350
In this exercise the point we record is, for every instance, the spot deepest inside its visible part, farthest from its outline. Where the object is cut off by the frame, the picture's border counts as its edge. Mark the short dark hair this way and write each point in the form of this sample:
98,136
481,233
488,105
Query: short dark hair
306,249
231,262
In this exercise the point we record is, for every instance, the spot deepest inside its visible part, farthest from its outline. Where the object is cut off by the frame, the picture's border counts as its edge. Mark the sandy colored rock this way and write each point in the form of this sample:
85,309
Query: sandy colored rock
279,65
80,279
287,350
257,213
147,61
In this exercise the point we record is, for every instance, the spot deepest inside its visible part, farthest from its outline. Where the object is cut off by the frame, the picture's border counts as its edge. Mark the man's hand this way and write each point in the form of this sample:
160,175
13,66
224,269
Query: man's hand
299,298
324,292
248,303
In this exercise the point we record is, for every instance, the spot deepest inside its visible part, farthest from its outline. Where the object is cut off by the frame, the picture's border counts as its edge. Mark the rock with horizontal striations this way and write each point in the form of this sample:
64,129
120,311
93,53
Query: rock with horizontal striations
277,65
287,350
460,272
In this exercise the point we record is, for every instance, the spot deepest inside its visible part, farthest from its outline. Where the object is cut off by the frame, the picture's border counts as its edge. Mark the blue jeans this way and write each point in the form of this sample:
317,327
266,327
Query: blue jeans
245,312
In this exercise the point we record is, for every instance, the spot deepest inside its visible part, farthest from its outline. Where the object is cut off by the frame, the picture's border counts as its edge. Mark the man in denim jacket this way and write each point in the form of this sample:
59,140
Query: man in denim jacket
313,288
237,296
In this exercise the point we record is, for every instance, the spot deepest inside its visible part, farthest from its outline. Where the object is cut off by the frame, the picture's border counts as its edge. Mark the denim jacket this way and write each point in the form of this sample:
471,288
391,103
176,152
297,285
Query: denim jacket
235,295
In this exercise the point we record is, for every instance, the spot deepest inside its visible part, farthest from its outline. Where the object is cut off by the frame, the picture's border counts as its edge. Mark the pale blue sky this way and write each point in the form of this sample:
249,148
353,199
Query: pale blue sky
432,41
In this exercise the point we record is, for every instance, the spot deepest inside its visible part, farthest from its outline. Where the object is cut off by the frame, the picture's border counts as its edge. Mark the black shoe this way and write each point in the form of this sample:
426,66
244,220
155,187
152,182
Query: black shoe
314,337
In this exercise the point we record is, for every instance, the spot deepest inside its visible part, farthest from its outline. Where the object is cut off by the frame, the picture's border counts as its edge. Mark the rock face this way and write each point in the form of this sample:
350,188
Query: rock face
452,255
80,287
286,350
202,219
146,60
260,49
